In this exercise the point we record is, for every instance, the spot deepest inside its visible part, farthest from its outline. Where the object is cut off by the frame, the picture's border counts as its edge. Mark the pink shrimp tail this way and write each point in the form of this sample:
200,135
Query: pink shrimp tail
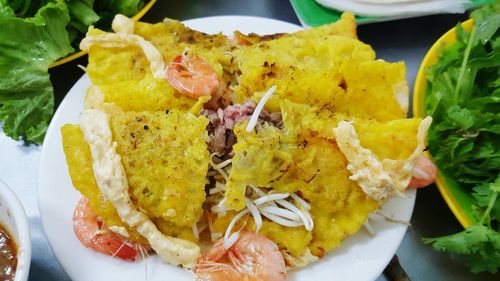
192,76
424,173
253,257
93,235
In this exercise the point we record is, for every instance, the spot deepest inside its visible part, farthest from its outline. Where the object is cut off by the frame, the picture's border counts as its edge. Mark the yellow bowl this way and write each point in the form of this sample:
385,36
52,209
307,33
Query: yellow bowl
458,200
76,55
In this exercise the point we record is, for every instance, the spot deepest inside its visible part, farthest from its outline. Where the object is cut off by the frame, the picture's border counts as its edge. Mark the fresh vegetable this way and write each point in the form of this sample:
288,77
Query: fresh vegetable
33,35
463,96
27,48
480,242
100,13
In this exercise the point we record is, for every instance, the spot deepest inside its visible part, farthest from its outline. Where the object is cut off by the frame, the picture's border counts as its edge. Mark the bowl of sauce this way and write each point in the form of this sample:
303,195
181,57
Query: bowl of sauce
15,245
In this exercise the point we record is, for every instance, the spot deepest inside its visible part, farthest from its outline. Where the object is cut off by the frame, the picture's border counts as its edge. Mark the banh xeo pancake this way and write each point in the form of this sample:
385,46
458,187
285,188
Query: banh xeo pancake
344,71
152,144
300,158
190,138
155,144
122,72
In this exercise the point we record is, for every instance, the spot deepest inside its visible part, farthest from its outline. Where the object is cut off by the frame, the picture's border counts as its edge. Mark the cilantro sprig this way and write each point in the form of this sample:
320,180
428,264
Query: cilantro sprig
481,241
464,99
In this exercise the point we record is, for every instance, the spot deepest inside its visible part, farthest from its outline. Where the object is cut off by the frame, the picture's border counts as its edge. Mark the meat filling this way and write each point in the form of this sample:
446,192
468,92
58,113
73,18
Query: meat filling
222,122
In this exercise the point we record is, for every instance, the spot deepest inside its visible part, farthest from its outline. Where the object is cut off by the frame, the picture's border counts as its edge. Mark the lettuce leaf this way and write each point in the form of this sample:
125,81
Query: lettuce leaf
33,35
27,48
126,7
84,13
107,9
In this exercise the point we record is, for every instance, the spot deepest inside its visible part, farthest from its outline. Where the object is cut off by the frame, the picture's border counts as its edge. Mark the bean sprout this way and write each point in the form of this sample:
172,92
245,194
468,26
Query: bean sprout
273,206
282,221
218,167
230,239
255,213
270,197
280,212
258,109
300,201
195,232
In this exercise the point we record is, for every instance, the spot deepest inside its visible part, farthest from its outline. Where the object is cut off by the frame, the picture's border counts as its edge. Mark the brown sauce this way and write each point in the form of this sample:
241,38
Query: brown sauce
8,255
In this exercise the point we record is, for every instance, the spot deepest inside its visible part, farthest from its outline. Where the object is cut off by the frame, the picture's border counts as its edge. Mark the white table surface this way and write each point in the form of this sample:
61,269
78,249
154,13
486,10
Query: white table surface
19,170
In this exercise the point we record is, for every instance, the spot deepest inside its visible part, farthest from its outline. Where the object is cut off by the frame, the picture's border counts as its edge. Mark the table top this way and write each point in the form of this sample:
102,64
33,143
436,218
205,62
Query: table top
406,40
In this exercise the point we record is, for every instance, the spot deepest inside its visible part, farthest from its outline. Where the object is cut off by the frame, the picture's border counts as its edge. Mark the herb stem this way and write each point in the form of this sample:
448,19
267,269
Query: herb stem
464,64
490,206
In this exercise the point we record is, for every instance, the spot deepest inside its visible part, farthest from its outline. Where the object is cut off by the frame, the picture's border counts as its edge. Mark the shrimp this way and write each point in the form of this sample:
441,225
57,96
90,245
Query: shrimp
192,76
91,233
424,173
253,257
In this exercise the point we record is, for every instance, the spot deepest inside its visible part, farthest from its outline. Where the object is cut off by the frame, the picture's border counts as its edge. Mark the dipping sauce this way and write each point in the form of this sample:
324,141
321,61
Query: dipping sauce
8,255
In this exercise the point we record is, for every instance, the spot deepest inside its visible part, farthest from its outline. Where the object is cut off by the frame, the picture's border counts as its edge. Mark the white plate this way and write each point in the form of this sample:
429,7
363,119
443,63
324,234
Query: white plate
396,8
360,257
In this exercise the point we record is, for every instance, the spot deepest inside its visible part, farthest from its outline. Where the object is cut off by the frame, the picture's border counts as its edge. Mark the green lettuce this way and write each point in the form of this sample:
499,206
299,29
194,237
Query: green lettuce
108,8
84,13
27,48
33,35
126,7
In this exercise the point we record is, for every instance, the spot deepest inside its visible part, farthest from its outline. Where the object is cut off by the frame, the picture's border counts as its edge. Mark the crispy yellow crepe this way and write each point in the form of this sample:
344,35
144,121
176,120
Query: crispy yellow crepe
165,158
323,76
123,75
327,67
303,159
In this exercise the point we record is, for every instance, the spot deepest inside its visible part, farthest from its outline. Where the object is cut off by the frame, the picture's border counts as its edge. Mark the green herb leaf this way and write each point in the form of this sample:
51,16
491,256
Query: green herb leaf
480,243
487,22
483,194
461,117
463,97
